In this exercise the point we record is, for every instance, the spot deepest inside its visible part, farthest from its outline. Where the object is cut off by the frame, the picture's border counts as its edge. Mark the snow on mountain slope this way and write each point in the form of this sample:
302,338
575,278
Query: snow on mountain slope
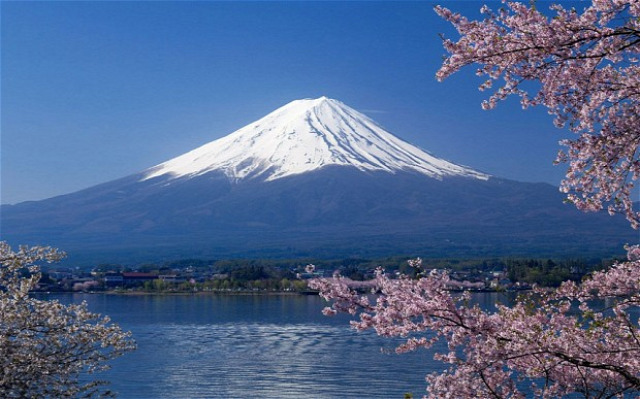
303,136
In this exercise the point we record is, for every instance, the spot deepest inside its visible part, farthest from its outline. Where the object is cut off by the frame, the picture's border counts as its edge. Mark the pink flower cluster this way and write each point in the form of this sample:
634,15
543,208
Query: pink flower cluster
551,344
586,67
48,349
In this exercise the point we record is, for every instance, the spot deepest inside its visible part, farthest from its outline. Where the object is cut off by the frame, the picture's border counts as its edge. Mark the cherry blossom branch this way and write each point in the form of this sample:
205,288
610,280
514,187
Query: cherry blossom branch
45,347
587,67
555,337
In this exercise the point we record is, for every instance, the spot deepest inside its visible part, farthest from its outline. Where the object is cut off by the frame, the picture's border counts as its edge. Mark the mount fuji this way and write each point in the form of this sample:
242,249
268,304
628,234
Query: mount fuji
312,178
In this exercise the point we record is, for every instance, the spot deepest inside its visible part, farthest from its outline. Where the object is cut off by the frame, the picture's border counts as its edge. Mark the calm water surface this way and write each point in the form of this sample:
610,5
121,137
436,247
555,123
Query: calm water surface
252,346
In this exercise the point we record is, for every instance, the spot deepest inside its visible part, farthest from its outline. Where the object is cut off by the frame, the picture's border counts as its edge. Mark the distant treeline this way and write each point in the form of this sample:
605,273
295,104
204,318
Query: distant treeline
281,273
542,271
550,273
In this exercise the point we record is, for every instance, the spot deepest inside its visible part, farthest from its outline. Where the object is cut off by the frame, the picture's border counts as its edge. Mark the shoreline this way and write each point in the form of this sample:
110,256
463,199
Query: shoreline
180,293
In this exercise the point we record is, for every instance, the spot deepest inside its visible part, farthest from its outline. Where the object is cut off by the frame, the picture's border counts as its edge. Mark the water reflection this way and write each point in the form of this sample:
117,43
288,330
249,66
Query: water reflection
251,347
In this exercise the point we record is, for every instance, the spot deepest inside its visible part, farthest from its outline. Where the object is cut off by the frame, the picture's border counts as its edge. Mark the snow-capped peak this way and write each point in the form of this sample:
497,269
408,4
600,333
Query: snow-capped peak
303,136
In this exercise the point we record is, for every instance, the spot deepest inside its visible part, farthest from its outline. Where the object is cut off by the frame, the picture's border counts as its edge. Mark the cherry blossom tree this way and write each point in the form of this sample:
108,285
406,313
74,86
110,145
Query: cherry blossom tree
581,338
549,344
48,349
585,67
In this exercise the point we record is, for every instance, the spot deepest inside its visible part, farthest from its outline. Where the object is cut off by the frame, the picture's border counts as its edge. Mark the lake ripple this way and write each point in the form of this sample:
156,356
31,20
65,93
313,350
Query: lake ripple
262,346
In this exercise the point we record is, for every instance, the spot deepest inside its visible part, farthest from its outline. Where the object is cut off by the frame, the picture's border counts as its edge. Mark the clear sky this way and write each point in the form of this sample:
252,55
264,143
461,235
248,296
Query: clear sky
93,91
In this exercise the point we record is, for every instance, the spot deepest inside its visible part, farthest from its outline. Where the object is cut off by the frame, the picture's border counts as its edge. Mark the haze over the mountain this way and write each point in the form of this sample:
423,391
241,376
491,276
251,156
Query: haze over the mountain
303,136
313,178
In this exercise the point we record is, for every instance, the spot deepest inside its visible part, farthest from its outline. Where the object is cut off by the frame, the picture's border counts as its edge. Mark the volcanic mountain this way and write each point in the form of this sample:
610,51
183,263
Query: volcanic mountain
313,178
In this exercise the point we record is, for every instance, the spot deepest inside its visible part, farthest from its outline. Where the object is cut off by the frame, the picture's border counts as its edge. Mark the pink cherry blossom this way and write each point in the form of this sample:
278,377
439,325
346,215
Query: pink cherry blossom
47,349
548,344
586,72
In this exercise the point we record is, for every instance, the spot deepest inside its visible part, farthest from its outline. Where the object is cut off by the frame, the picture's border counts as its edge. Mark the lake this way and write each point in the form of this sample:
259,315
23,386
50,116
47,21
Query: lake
252,346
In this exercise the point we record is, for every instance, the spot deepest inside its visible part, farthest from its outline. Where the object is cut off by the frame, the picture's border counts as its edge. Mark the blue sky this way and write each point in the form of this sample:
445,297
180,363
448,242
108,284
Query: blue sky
94,91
